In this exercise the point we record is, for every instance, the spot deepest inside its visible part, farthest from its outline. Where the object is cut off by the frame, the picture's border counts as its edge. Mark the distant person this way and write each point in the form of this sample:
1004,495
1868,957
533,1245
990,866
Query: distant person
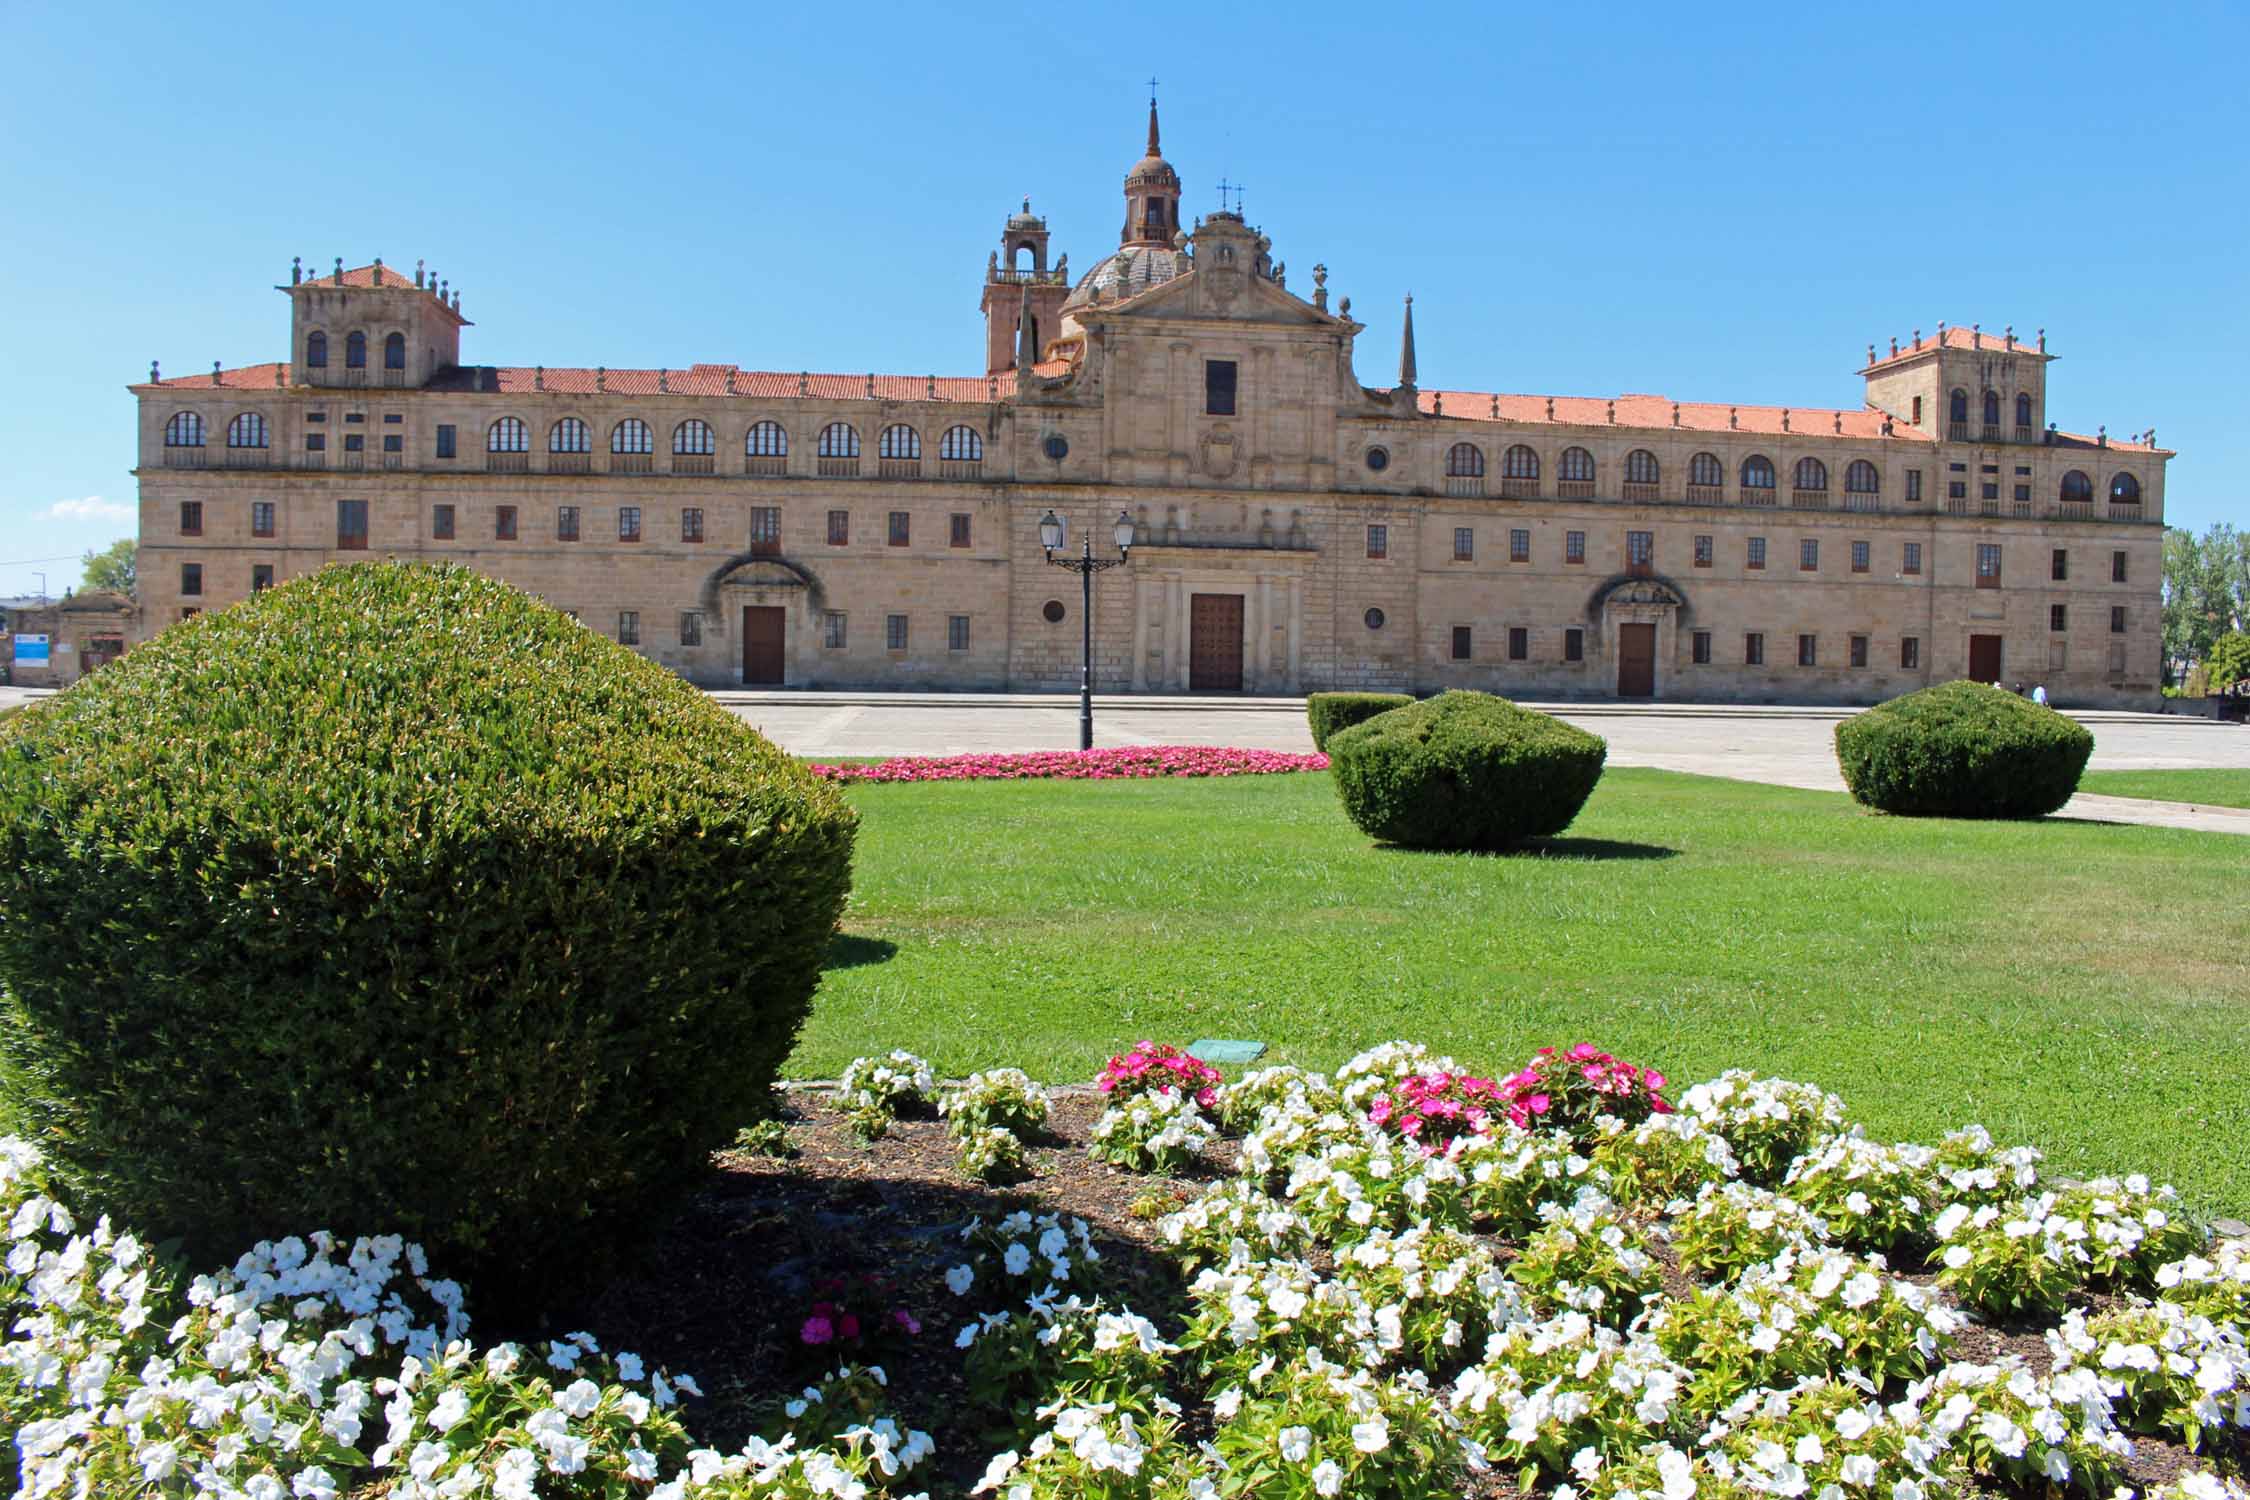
2039,695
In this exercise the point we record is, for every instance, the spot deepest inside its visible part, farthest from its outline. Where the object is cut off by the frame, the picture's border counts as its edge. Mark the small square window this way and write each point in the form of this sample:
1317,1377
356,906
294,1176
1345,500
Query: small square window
1910,653
566,523
1859,650
445,440
355,442
1378,541
901,522
1703,552
1574,644
2058,617
1754,649
1861,556
628,523
839,528
1808,651
2117,567
832,630
261,518
958,530
1218,387
394,442
1989,490
691,523
2117,619
1700,648
1464,544
1808,556
2023,493
261,577
504,523
628,627
1461,643
191,578
316,442
1519,546
2059,569
1910,563
894,632
441,523
1956,489
191,518
1757,556
691,627
1519,643
1574,547
956,632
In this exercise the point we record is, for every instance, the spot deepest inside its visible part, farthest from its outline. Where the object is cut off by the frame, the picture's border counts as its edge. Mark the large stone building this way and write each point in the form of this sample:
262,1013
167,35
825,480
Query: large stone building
1295,529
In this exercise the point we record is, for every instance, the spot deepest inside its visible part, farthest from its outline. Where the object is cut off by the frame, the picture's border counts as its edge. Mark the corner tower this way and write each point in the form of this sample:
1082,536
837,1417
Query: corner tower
1019,285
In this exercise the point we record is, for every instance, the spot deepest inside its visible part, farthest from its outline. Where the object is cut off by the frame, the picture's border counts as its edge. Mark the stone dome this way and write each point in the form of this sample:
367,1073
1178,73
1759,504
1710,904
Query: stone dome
1127,271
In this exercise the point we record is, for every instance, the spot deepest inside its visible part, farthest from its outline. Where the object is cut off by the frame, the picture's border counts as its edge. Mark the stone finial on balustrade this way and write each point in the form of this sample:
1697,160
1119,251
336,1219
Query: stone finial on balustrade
601,378
418,286
1550,408
1976,335
1886,424
870,385
804,382
1917,338
1613,413
2042,341
1496,408
929,387
214,372
730,381
1785,419
1731,418
1871,354
457,301
2101,436
1437,405
664,382
1894,346
296,270
378,278
154,375
538,377
277,372
2008,338
1675,414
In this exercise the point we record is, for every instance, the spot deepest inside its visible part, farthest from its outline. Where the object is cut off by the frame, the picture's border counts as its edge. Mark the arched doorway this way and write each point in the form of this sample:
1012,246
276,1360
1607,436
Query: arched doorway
1638,618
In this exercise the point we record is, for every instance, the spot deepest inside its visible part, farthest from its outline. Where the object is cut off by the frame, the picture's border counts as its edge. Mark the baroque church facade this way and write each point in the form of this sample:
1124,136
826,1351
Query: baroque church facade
1294,530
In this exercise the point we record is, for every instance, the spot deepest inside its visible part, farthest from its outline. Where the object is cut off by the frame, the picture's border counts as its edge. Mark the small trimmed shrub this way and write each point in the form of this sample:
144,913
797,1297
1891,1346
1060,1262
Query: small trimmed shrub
393,900
1329,712
1464,771
1962,750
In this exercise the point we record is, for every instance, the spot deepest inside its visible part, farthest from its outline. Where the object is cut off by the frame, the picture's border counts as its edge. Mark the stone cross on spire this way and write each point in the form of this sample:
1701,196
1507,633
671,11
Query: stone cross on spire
1406,348
1152,147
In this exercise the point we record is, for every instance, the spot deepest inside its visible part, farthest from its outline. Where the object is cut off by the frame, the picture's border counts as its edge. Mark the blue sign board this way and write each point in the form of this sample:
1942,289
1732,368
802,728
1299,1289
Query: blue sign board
31,651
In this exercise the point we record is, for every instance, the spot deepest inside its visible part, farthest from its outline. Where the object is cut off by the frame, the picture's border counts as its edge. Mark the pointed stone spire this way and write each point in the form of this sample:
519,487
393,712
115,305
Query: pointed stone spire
1153,148
1406,372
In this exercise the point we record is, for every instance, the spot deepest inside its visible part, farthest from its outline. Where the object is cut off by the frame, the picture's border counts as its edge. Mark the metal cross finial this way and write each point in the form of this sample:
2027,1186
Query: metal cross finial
1225,187
1152,91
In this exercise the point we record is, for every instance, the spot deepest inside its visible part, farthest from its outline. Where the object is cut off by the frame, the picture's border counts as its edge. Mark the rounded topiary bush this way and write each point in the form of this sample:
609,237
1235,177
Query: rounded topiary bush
394,900
1962,750
1464,771
1329,712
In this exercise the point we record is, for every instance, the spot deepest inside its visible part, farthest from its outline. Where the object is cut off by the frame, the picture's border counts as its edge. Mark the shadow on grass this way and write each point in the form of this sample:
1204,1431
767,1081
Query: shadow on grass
1558,848
848,950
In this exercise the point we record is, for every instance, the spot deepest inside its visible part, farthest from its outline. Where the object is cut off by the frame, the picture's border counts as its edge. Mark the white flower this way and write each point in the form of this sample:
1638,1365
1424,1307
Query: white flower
579,1398
1296,1442
1372,1435
1016,1261
449,1410
959,1279
314,1484
1327,1479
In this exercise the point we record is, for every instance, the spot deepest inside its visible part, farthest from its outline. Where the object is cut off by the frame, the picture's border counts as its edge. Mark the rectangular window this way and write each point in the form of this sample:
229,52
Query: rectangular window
832,630
1860,557
355,416
441,523
1461,643
765,530
628,523
191,578
261,518
1757,558
394,442
1808,556
445,440
691,523
1519,643
566,523
1574,644
351,525
261,577
1464,544
1519,546
628,627
1378,541
900,521
355,442
1574,547
191,518
957,534
1988,565
691,627
1218,387
2058,617
392,419
2059,570
504,523
1956,489
956,632
1808,651
1913,486
1859,650
894,632
1640,548
1910,653
2023,493
2117,619
1989,490
2117,567
316,442
1911,563
1754,649
1703,552
1700,648
839,528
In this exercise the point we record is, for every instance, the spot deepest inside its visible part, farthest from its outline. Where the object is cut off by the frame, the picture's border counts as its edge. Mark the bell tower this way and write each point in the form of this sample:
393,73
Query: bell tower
1152,192
1022,293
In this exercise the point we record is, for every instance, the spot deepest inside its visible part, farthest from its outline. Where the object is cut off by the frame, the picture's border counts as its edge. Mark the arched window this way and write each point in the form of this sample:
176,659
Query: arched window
1706,470
355,350
1757,472
185,430
1958,409
1641,468
899,441
1519,462
1577,466
2124,490
316,351
1863,478
508,435
247,431
839,440
1464,461
1811,474
394,352
2077,488
631,436
961,444
2023,408
693,436
1992,408
766,440
569,436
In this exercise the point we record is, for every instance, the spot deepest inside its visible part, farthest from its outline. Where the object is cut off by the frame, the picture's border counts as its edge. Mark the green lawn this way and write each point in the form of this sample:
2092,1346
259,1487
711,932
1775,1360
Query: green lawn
2211,788
2078,986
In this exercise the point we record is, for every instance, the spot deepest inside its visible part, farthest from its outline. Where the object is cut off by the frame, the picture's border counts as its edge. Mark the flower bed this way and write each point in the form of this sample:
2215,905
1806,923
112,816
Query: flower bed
1135,763
1338,1313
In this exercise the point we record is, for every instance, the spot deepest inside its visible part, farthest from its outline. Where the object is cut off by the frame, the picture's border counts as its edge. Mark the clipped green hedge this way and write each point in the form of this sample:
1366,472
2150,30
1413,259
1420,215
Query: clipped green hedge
1962,750
1329,712
394,900
1464,771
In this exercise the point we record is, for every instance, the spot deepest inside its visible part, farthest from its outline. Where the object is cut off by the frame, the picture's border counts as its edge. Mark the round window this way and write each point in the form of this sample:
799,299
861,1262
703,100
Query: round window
1378,459
1052,611
1057,446
1374,618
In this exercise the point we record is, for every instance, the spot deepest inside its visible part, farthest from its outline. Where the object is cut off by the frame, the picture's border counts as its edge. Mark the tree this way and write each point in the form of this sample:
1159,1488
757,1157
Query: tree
112,567
2200,600
2228,660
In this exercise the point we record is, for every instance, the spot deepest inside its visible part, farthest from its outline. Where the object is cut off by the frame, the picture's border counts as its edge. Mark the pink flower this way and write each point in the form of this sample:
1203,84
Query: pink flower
817,1331
905,1320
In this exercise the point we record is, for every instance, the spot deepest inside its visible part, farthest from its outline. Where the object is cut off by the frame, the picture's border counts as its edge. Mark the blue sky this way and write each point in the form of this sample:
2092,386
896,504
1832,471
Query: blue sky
1583,199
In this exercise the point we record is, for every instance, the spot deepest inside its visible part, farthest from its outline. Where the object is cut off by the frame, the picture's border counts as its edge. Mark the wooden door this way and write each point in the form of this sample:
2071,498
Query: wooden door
1215,643
763,629
1636,661
1984,658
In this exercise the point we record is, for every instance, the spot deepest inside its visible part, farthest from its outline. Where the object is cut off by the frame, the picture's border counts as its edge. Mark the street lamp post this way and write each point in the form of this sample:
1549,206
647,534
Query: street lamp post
1085,565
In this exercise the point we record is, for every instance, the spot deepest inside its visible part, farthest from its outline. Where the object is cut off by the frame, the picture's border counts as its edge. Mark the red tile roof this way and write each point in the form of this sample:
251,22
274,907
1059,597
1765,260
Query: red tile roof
695,380
1656,412
1963,337
248,377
